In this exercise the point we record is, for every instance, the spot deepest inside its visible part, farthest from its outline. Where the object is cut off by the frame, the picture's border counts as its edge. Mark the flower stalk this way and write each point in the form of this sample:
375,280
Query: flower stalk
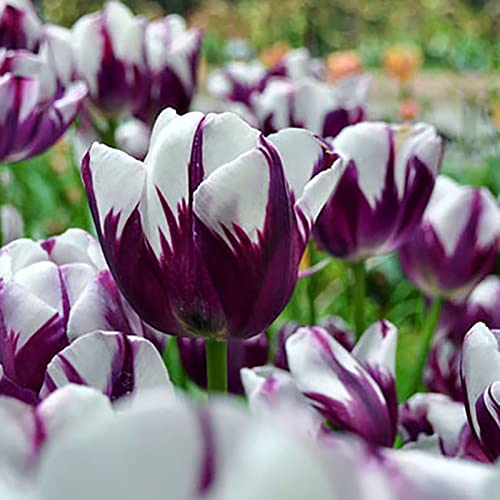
358,295
425,346
216,352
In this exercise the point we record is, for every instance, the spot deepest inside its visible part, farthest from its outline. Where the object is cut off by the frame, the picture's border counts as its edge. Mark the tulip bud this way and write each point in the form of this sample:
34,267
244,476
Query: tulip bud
383,192
455,246
11,224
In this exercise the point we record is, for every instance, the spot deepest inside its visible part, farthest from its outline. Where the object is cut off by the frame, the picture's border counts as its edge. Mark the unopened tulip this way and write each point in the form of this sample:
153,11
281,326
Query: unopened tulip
108,49
384,190
35,112
65,286
11,224
480,372
307,103
455,246
209,243
172,54
353,391
238,81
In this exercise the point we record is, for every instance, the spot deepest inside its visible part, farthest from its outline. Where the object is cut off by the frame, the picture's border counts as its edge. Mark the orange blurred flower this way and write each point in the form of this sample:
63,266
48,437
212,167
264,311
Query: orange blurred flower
409,109
343,63
274,54
402,62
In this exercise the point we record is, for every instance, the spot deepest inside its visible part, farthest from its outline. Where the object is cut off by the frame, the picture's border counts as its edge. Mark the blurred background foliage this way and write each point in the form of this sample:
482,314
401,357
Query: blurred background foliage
458,34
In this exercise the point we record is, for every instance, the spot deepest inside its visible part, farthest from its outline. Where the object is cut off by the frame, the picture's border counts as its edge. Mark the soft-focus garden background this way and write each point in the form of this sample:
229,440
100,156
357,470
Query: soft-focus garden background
454,84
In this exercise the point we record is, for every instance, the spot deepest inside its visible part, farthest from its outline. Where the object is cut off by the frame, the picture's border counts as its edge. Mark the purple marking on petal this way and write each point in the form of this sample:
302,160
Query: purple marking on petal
70,372
364,413
122,377
488,415
426,263
207,466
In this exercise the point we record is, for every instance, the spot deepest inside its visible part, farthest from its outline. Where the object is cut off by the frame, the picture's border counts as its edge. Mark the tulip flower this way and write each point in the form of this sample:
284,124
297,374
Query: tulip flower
241,205
108,49
112,362
307,103
11,224
353,391
35,113
480,372
435,423
20,27
240,354
455,246
295,64
238,81
334,325
384,190
443,368
402,62
172,54
64,285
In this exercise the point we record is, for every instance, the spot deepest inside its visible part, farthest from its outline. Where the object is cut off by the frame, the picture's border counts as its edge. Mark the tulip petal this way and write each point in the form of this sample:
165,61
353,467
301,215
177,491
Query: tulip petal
114,182
480,372
338,385
114,363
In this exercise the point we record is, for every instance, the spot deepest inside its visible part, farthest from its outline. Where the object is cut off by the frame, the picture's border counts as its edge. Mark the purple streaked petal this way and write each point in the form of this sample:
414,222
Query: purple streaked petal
448,258
384,190
480,372
101,306
113,363
433,414
27,341
338,386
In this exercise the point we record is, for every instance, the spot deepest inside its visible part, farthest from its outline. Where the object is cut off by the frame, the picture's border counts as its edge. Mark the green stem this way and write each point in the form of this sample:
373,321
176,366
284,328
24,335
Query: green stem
423,353
311,286
216,352
359,292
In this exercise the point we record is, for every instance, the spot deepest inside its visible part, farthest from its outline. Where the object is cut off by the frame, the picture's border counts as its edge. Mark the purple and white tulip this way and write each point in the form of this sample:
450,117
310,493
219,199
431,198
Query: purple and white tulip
334,325
34,112
480,371
64,285
437,424
114,363
240,354
311,104
443,367
353,391
384,190
172,54
227,203
455,246
238,81
108,51
20,26
296,64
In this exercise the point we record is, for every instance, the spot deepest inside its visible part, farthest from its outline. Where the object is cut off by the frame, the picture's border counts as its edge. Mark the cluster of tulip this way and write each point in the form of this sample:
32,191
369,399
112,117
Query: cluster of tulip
202,228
